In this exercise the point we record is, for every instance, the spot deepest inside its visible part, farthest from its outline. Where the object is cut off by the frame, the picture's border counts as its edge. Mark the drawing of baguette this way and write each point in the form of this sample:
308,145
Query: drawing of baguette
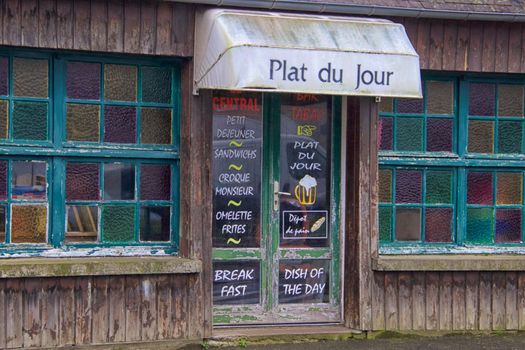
317,225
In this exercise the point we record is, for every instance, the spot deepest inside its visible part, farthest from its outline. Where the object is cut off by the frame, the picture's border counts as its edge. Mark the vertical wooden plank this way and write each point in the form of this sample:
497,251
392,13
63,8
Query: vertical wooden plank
498,300
488,57
378,301
100,310
3,315
458,301
147,27
522,64
50,308
81,29
64,24
182,29
502,47
132,26
450,43
164,23
485,303
149,308
436,45
99,25
164,324
83,299
133,315
410,25
32,313
521,300
445,301
515,45
180,302
472,301
66,312
117,310
29,24
511,301
422,47
391,301
47,22
462,46
14,311
115,26
11,23
418,301
432,300
475,47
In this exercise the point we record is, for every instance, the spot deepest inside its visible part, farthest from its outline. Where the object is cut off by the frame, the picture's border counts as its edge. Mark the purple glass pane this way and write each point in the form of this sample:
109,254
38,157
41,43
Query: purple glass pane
438,224
4,76
408,186
3,180
120,124
482,98
439,135
384,137
82,181
508,225
83,80
155,182
479,188
410,105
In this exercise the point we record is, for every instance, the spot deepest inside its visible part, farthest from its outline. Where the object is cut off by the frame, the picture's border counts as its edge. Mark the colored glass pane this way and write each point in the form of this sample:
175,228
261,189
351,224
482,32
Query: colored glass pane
408,186
30,121
438,223
409,133
385,134
439,135
508,225
83,122
28,180
385,224
30,77
119,181
120,82
385,185
510,100
386,105
440,97
155,126
408,224
28,223
439,187
2,223
509,187
480,225
83,80
410,105
3,180
480,136
482,99
509,137
155,182
4,76
156,84
4,113
82,181
155,224
82,224
118,223
479,188
120,124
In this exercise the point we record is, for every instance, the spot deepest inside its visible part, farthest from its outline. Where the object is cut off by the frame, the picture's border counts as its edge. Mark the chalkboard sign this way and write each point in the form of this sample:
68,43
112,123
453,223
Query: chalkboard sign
305,170
236,282
304,281
237,157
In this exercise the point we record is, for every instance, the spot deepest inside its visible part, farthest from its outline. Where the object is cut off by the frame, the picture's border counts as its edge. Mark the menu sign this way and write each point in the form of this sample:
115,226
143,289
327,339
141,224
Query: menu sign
304,281
236,282
305,169
237,156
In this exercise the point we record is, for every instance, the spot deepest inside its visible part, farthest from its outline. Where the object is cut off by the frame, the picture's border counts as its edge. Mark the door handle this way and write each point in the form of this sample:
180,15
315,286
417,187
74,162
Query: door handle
276,194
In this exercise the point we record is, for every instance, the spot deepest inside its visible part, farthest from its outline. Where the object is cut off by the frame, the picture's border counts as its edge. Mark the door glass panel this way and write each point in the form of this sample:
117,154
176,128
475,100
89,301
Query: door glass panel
236,282
304,281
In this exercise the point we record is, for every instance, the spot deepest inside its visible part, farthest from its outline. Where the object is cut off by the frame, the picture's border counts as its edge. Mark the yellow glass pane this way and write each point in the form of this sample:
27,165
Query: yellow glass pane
30,77
28,223
480,136
83,122
440,97
155,126
385,186
509,188
120,82
510,100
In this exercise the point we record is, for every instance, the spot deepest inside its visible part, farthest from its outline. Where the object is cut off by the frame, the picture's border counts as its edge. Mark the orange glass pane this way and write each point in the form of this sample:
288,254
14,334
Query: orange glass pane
28,223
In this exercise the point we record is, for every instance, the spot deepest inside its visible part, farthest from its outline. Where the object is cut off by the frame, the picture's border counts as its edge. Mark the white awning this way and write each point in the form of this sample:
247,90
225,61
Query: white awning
264,51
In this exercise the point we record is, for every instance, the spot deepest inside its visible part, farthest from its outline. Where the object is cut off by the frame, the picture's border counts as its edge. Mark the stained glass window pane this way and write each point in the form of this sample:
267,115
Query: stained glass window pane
30,121
156,84
408,186
385,224
155,126
154,224
2,223
155,182
120,82
439,187
4,76
482,98
409,133
30,77
28,223
385,185
480,225
82,224
509,137
509,187
440,97
439,135
4,113
510,100
480,136
410,105
508,225
83,122
82,181
28,180
385,133
438,223
118,223
479,188
386,105
408,224
83,80
120,124
119,181
3,180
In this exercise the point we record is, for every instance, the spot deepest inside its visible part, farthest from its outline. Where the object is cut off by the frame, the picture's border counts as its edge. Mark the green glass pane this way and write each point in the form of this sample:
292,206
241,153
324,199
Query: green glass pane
155,126
83,122
118,223
4,113
509,137
510,100
480,225
28,223
386,105
385,186
440,97
30,77
30,121
409,133
480,136
385,224
120,82
509,187
439,187
156,84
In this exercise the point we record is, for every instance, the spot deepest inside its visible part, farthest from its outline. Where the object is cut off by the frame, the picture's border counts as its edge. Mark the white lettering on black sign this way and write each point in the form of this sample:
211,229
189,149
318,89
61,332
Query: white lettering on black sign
304,281
236,282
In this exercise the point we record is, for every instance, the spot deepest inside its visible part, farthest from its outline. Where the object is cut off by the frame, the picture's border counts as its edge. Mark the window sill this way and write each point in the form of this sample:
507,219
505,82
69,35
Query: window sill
449,262
97,266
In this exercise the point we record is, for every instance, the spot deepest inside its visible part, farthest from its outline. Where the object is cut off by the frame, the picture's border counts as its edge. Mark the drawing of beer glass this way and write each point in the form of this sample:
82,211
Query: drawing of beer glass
306,190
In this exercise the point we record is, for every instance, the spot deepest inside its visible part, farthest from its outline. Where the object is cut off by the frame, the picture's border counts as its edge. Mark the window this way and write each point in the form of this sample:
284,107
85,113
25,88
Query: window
89,152
451,166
